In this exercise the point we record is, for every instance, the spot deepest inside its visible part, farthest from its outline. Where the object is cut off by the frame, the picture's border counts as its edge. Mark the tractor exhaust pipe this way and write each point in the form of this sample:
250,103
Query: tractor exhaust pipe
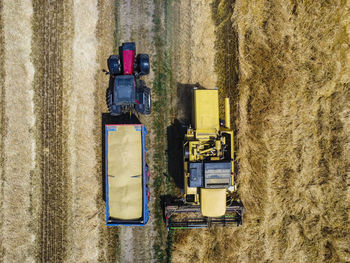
227,113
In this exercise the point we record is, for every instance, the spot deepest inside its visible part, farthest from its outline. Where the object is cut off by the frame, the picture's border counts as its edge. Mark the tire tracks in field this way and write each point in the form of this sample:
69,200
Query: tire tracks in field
104,32
2,124
184,41
48,17
72,228
83,226
135,23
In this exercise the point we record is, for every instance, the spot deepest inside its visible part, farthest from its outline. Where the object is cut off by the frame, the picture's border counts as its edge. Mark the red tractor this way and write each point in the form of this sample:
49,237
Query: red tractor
126,91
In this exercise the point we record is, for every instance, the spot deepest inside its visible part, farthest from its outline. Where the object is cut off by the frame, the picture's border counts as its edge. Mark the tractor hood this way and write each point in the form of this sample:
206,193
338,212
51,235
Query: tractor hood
213,202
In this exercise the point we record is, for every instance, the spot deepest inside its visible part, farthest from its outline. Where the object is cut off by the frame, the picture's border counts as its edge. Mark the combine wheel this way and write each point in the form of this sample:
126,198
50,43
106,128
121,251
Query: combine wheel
186,153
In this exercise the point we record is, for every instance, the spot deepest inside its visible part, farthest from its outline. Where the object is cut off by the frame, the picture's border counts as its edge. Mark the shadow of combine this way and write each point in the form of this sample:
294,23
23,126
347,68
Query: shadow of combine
184,105
175,136
177,130
109,119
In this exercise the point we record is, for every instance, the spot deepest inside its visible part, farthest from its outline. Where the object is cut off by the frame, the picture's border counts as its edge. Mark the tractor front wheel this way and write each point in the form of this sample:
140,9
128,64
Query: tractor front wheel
114,65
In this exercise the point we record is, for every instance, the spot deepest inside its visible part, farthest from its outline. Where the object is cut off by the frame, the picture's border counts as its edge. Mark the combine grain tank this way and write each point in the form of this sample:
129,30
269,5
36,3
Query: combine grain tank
126,175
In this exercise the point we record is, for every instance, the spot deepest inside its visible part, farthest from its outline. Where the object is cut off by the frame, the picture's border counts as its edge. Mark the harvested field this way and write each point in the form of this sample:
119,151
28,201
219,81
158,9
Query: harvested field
285,67
48,22
51,189
18,213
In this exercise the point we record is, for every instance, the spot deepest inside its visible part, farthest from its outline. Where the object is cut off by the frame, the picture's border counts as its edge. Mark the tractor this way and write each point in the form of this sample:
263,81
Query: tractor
126,91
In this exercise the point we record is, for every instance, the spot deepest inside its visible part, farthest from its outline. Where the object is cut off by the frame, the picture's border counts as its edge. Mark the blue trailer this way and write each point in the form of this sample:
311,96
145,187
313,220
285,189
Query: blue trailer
126,175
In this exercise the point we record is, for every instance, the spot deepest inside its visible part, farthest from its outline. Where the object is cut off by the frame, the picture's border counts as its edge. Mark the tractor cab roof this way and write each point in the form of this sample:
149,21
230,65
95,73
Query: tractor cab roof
124,90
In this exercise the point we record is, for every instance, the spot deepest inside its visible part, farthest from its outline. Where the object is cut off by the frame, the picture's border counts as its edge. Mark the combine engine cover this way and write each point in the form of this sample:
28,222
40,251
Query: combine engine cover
209,189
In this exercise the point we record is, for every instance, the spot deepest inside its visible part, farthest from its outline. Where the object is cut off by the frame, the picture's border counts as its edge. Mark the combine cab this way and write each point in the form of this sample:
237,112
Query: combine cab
126,91
209,189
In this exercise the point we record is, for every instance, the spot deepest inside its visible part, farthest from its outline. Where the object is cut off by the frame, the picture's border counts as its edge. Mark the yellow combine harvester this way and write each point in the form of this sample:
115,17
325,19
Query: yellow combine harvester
209,189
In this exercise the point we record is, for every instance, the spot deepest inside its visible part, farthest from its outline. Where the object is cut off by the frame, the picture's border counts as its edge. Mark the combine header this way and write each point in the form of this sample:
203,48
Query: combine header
210,196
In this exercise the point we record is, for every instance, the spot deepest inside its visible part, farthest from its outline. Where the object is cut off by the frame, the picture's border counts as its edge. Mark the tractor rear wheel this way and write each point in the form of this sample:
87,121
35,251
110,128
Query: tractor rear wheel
112,108
109,99
147,101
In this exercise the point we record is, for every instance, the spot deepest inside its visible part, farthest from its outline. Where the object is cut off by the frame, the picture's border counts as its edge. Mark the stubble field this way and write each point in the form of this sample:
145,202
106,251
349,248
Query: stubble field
284,65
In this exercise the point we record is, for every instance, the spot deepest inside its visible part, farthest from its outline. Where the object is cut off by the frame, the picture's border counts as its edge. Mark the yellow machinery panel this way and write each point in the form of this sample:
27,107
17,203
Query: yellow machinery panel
213,202
206,109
